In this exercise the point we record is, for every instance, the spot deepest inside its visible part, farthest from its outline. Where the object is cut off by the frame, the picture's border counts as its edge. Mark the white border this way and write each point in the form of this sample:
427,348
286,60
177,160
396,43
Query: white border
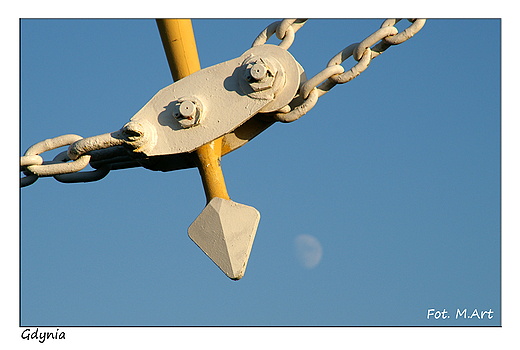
304,337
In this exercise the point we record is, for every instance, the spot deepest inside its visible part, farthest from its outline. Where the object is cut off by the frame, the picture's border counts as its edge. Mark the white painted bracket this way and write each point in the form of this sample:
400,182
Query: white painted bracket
224,96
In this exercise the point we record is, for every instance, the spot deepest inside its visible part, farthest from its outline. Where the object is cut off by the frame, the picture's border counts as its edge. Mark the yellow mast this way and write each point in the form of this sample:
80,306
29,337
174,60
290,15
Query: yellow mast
181,51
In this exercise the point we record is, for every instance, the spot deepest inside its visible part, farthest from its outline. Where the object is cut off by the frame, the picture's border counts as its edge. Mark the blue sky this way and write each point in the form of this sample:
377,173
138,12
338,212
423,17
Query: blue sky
396,174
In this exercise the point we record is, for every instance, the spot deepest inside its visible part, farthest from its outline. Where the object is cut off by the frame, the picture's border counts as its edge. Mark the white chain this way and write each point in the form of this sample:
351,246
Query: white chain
363,52
284,30
33,166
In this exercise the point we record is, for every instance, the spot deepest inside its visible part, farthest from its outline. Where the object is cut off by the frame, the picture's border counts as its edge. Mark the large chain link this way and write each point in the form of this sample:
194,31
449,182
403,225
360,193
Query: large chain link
363,52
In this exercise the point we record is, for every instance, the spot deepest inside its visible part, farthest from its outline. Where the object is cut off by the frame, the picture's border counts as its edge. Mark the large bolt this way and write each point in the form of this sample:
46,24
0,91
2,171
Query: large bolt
188,112
187,109
258,71
261,76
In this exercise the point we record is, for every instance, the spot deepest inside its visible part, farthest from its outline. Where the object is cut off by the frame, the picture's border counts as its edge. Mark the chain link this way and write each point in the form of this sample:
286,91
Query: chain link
284,30
363,52
55,168
33,166
80,151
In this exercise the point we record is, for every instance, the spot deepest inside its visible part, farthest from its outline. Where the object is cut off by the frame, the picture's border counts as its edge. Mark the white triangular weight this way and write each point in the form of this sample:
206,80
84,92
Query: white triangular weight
225,231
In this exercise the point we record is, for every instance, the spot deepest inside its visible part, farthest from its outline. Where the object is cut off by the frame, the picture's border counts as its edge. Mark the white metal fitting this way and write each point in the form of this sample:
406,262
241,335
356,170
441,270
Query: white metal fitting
224,100
259,73
265,74
188,111
141,136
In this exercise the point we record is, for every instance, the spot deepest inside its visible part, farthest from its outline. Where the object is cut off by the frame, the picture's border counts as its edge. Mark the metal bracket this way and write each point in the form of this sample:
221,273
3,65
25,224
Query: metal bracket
213,102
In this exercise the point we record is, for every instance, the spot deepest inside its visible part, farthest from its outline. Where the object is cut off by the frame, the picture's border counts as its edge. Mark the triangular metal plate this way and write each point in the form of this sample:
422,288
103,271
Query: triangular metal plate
225,231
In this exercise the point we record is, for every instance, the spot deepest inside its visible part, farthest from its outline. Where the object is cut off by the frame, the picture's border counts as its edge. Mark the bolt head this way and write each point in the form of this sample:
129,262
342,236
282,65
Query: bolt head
259,74
187,109
258,71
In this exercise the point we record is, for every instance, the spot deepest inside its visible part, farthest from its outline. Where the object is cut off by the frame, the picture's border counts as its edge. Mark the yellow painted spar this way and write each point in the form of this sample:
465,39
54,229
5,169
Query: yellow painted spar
179,45
181,51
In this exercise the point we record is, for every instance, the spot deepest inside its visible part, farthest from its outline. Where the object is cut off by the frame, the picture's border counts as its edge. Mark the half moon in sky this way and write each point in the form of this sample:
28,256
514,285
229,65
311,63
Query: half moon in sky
308,250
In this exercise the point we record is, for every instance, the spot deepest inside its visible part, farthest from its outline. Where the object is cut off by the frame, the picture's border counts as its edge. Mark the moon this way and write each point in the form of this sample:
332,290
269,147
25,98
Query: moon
308,250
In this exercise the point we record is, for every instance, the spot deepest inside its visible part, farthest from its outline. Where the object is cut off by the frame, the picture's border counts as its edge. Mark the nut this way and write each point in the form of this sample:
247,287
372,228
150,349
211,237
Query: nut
259,73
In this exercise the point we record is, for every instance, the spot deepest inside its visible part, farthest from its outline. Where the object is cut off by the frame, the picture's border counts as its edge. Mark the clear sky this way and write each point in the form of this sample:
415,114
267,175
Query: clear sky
396,175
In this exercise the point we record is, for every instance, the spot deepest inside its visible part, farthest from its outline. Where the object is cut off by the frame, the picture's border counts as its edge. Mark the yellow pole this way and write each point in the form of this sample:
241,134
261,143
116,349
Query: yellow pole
181,51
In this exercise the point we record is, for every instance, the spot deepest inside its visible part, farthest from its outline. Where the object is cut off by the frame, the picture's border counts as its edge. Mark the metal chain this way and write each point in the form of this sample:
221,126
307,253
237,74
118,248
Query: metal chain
33,163
80,151
284,30
363,52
